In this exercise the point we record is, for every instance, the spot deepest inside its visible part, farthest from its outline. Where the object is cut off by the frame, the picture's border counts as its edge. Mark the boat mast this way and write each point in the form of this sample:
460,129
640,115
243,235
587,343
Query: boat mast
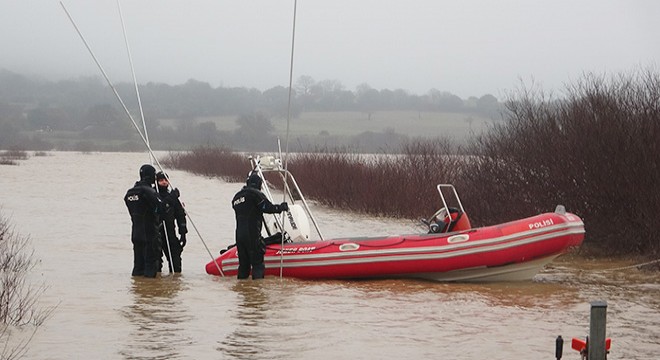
288,109
288,121
137,91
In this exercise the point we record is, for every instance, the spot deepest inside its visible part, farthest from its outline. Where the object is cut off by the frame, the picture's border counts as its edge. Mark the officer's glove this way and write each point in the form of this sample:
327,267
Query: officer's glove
183,229
175,194
284,206
182,240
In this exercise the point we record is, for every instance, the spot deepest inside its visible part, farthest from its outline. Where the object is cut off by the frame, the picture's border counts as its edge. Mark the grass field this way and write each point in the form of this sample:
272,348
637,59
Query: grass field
347,123
324,125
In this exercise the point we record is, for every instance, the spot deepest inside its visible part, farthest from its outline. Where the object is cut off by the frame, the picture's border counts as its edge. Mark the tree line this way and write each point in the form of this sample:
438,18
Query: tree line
87,106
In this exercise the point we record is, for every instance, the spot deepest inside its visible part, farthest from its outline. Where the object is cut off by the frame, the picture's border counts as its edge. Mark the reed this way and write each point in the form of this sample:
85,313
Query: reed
401,185
11,157
211,161
4,161
14,155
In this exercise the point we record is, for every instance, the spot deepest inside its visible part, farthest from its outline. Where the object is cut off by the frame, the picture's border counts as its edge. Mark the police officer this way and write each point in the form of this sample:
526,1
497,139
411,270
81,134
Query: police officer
145,205
249,205
173,211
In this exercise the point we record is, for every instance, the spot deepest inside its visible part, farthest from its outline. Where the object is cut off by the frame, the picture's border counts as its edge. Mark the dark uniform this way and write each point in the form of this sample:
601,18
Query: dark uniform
249,205
173,211
144,205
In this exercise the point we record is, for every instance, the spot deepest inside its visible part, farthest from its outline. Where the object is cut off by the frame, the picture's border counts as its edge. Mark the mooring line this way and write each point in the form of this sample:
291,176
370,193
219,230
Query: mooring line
629,267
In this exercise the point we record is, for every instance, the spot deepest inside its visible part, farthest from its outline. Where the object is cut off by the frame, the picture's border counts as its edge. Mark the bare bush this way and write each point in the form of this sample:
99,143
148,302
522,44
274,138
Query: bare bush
11,157
389,185
597,151
19,311
401,185
211,161
14,154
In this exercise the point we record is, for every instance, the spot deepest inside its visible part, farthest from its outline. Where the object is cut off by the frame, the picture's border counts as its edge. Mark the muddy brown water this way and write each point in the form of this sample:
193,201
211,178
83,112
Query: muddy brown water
70,205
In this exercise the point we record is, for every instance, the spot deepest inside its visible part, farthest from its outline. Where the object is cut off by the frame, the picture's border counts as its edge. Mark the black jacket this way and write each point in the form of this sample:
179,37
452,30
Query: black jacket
172,211
249,205
145,206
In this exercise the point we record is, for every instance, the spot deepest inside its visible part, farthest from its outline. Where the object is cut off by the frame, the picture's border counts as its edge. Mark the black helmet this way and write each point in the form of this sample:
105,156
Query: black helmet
161,175
254,181
148,173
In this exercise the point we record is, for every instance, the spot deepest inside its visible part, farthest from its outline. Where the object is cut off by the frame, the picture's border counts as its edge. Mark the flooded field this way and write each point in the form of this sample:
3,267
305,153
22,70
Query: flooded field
71,207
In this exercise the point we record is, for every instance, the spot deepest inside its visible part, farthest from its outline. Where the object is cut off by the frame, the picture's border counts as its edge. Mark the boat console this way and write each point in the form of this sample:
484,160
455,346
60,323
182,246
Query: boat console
448,219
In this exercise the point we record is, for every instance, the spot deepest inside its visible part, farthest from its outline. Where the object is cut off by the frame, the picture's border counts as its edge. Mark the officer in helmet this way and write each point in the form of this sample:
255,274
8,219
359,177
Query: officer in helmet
174,212
249,205
145,206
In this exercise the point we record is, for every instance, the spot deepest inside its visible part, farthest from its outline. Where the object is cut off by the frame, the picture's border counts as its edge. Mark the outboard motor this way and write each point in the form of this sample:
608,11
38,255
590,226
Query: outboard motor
296,224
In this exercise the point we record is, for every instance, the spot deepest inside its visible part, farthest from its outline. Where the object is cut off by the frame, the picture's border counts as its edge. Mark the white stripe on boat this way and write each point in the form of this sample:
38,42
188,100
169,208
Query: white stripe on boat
418,253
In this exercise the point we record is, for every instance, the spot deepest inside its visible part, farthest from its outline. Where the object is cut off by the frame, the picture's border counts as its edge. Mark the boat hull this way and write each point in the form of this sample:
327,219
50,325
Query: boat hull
512,251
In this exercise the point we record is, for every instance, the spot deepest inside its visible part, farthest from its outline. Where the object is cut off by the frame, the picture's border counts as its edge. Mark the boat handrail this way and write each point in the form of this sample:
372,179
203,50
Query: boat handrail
444,201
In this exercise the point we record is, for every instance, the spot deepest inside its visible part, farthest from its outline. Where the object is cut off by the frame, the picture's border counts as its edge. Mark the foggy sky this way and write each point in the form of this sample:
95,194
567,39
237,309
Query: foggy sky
464,47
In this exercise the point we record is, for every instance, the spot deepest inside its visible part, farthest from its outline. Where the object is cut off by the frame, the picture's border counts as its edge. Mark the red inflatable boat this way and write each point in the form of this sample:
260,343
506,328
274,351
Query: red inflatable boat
451,251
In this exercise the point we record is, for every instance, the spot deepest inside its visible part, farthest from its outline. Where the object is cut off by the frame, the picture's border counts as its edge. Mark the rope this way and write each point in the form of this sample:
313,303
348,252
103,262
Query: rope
630,266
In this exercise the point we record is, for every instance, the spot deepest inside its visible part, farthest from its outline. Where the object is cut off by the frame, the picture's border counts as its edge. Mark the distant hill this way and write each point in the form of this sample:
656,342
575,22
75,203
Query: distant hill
84,113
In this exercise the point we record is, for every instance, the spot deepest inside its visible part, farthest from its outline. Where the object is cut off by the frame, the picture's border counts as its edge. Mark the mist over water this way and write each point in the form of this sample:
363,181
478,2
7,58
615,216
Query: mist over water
70,205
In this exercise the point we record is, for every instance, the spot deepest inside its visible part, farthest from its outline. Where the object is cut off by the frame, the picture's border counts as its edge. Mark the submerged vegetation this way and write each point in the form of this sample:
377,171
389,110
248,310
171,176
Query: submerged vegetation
11,157
217,161
596,151
20,315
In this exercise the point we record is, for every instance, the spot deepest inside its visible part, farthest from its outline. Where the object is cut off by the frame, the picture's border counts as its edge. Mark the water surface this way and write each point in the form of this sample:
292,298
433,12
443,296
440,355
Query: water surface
71,206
